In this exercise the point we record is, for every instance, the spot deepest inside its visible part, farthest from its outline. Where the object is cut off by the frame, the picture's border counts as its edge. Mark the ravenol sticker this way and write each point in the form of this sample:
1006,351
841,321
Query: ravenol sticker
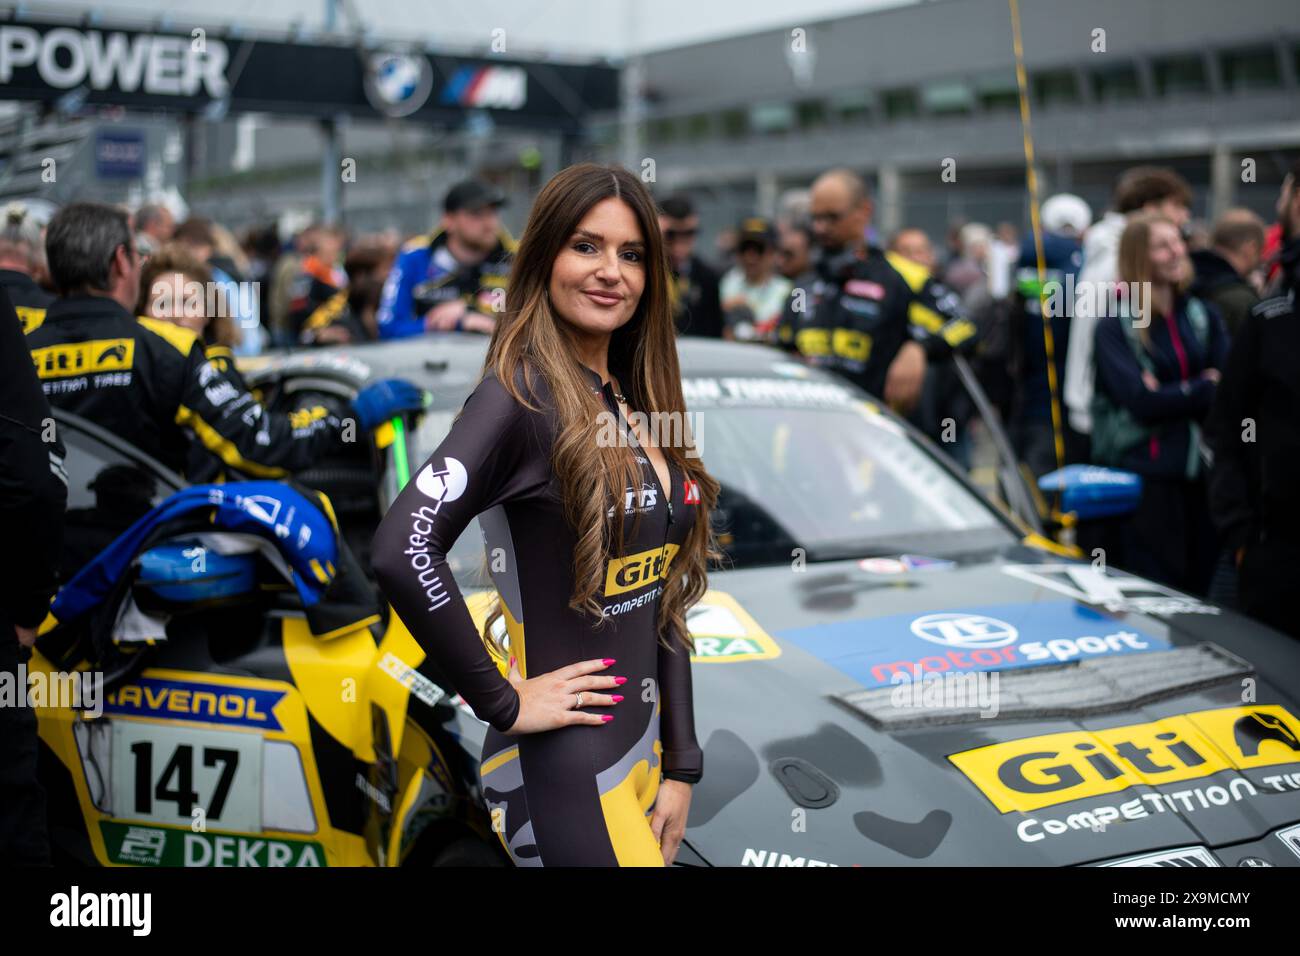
165,846
1035,772
882,651
200,701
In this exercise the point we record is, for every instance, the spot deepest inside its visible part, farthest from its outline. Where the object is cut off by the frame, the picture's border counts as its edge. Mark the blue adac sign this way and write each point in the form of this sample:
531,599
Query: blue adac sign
880,652
119,154
168,699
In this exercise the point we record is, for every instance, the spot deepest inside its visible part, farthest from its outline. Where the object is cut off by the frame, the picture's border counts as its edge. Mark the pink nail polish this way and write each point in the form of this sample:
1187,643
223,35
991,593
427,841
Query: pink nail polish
512,662
607,717
607,661
620,680
617,698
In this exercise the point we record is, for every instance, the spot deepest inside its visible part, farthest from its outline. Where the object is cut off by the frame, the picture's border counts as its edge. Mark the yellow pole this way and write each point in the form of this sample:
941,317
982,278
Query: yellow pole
1031,177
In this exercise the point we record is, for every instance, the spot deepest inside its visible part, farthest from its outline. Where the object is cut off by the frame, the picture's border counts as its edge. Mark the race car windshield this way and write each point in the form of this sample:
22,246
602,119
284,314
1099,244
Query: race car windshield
838,482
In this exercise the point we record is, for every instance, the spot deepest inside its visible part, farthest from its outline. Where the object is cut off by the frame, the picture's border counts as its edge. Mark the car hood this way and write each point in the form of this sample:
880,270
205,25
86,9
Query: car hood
1125,718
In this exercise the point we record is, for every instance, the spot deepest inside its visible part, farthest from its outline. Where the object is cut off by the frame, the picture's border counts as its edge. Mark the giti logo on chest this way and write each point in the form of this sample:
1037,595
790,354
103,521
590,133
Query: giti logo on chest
82,358
638,570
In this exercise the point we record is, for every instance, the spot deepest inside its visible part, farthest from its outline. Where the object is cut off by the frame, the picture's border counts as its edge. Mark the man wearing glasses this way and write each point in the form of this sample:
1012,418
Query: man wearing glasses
873,317
697,304
149,381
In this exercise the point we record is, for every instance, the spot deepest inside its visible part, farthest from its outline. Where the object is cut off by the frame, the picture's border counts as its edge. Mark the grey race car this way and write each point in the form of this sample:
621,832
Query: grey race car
890,670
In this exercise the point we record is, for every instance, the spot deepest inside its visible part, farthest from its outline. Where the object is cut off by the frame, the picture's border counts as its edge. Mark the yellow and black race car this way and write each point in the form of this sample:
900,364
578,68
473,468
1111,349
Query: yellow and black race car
202,717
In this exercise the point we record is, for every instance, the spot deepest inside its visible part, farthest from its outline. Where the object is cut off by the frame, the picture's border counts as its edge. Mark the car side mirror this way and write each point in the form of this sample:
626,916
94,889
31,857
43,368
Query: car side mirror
1090,491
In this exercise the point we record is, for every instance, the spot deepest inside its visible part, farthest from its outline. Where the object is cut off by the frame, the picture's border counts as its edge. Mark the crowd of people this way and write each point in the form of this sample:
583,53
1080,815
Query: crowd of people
1166,351
1159,354
1133,341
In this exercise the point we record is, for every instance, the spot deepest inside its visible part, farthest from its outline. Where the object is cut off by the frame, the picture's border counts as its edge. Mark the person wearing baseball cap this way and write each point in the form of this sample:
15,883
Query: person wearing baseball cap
454,278
753,292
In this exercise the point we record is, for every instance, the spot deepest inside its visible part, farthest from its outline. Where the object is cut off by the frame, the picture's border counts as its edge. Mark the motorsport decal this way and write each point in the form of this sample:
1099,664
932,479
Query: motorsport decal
1180,856
445,485
637,500
878,652
1035,772
1291,837
82,358
442,486
904,563
882,566
722,630
1118,593
487,87
764,391
919,562
166,846
406,675
634,571
777,858
192,700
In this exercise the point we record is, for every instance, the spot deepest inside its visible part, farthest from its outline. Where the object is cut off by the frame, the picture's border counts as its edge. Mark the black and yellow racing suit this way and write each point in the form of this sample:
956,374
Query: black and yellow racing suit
860,308
151,383
334,312
29,300
579,794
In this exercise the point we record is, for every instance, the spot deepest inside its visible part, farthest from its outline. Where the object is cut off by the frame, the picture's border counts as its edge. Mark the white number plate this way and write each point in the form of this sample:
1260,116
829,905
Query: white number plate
170,774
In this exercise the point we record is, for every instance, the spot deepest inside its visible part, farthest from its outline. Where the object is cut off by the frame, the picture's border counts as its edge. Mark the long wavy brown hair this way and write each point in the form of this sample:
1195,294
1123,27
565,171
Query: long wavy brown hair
592,474
1133,265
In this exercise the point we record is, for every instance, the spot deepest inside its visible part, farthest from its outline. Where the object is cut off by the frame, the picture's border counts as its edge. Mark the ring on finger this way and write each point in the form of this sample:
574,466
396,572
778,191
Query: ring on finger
579,703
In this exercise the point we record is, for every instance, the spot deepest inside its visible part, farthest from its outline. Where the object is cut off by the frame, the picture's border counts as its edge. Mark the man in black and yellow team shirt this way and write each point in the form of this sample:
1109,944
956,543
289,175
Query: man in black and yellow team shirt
871,316
150,382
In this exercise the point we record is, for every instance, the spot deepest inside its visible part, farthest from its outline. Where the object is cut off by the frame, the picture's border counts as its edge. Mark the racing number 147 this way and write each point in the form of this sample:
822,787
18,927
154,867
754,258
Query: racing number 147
181,767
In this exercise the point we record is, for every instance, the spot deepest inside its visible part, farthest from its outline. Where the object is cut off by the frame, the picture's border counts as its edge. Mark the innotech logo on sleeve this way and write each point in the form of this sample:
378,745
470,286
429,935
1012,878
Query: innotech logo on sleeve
878,652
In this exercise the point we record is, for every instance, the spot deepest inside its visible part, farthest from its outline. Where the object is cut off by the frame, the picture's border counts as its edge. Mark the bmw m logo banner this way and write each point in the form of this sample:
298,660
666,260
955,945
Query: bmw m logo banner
487,87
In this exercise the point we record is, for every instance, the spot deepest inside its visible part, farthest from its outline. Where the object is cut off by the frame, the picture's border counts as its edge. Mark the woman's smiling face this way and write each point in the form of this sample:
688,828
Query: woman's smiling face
599,274
1169,262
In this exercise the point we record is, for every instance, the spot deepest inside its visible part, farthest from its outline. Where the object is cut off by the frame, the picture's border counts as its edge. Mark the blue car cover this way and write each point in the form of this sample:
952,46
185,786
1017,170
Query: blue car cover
298,522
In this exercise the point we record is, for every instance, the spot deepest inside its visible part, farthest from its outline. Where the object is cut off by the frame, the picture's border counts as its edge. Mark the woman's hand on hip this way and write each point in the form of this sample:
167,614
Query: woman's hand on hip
552,700
672,805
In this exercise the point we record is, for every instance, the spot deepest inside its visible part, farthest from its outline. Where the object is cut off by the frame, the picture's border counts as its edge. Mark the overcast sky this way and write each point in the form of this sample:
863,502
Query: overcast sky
561,27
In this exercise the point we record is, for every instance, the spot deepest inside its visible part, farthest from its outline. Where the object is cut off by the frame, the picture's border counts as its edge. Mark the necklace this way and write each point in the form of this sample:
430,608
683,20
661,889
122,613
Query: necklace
618,396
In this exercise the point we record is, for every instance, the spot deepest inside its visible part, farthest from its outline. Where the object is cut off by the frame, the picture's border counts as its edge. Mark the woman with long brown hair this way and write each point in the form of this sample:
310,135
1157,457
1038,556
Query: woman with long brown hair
598,546
1158,358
